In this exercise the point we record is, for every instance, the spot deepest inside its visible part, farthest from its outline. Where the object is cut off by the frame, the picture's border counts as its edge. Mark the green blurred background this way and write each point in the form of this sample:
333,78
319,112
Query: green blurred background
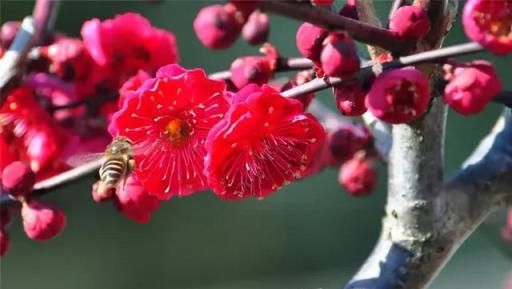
308,235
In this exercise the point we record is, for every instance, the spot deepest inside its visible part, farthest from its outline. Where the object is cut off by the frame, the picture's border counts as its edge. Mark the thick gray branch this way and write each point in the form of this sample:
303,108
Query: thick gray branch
421,233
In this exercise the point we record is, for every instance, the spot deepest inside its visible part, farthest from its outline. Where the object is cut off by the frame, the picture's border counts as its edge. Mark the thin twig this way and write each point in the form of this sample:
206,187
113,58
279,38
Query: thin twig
368,72
15,55
32,30
45,15
358,30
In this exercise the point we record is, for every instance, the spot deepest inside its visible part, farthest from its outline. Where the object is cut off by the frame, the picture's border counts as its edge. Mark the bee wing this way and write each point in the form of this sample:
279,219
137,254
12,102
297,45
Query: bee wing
80,159
142,148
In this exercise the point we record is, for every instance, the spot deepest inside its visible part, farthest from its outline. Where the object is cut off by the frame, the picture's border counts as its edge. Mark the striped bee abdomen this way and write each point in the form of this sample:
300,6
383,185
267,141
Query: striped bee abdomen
112,170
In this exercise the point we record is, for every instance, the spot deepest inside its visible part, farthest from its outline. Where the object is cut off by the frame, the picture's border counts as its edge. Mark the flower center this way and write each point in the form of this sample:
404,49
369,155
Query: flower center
499,25
178,131
402,97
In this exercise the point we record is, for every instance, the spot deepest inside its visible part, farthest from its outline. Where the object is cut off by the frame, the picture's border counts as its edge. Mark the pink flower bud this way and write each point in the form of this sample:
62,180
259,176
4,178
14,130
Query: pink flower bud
471,87
346,140
42,221
490,24
134,202
399,95
101,194
217,27
8,32
256,29
339,57
18,179
349,10
410,22
350,98
4,242
357,177
309,39
252,69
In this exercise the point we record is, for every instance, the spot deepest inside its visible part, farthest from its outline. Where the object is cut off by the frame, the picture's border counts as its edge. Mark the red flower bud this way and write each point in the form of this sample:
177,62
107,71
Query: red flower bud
252,69
410,22
309,39
357,177
217,27
471,87
339,57
8,32
18,179
489,23
350,98
42,221
4,242
134,202
256,29
346,140
399,95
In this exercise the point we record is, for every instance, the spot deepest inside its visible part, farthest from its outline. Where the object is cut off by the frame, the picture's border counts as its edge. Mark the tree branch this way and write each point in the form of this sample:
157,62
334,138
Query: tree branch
45,15
358,30
15,55
410,254
369,72
32,30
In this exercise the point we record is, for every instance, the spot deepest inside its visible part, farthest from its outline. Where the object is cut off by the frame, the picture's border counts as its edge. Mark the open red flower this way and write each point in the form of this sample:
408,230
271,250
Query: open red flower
128,43
399,95
168,119
489,22
264,142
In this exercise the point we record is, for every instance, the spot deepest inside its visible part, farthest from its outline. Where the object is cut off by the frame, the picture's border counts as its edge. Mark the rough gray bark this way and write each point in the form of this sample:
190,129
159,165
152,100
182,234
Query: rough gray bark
426,221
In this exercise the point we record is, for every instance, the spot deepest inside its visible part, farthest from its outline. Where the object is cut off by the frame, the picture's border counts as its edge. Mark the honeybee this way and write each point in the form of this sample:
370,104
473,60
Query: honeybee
117,163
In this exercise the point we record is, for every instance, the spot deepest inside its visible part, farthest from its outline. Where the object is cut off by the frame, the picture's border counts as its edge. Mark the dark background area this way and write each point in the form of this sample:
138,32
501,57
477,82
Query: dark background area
311,234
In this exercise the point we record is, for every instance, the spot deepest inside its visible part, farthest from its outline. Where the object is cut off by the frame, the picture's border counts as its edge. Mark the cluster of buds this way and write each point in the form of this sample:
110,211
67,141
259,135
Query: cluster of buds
351,148
41,220
218,26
